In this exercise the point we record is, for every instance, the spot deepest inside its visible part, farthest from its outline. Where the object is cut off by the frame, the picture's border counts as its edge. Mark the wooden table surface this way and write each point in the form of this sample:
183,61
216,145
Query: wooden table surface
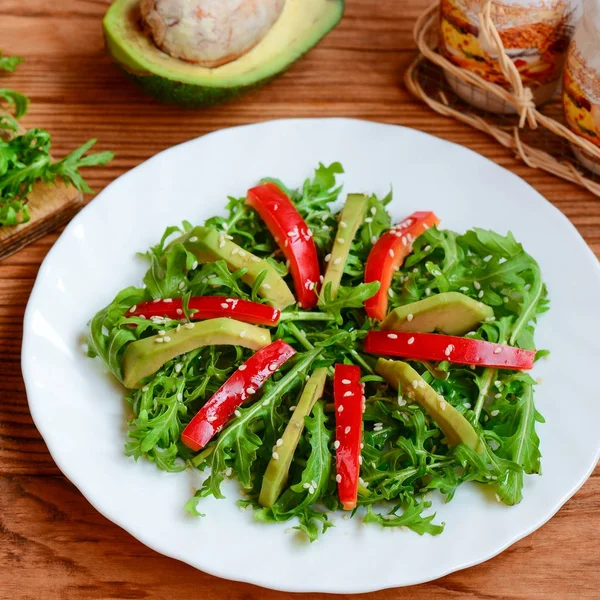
53,544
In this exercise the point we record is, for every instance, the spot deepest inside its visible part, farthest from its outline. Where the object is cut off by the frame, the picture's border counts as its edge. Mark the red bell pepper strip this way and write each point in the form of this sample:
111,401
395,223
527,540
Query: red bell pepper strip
437,347
348,401
388,254
241,386
293,236
209,307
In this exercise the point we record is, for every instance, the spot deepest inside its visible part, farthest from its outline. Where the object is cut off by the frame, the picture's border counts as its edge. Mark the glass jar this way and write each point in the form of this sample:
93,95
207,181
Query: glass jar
535,35
581,84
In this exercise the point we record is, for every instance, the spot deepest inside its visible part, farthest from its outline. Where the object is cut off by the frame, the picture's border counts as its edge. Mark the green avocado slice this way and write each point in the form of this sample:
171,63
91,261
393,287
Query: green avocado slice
276,474
301,25
210,245
455,427
351,218
145,357
451,313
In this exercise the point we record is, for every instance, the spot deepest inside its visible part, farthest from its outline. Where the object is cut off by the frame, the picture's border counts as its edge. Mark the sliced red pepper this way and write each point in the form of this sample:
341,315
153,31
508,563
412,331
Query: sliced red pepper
293,236
241,386
209,307
437,347
388,254
348,400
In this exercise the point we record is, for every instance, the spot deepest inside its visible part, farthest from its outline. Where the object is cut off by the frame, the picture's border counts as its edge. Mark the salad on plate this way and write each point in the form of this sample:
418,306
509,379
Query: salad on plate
330,359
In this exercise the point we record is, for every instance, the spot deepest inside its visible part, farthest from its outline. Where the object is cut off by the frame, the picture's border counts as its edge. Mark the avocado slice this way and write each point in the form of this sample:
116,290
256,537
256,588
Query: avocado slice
455,427
301,25
451,313
210,245
145,357
351,218
276,474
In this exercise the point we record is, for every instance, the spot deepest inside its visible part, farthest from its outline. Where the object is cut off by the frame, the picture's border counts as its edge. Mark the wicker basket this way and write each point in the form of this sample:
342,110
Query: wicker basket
536,135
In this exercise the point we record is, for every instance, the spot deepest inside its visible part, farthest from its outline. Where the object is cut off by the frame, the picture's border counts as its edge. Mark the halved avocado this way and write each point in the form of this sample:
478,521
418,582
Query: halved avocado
301,25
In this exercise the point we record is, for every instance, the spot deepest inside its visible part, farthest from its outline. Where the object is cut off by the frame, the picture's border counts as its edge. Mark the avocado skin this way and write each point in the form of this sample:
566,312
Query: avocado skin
144,357
451,313
454,425
187,95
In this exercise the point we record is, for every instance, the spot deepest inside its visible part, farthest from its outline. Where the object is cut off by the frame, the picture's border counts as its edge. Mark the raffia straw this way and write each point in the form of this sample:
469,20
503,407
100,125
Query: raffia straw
519,96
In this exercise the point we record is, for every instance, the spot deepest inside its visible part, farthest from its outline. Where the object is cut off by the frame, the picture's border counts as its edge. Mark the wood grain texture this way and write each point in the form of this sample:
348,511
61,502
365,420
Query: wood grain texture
53,544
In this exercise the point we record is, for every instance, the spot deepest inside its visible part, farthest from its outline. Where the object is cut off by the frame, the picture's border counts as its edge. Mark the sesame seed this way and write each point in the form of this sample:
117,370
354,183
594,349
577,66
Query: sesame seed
498,396
221,243
228,472
340,408
346,381
306,485
293,408
391,253
427,291
480,295
159,340
224,305
392,336
181,285
167,338
242,368
311,489
279,442
477,285
494,413
498,498
254,259
161,332
145,388
467,405
179,311
242,253
195,264
243,333
410,340
328,258
360,460
498,350
336,444
341,240
343,225
189,325
178,367
373,211
348,394
374,239
443,405
337,261
409,317
401,401
193,239
338,478
250,390
273,367
237,413
449,349
369,220
275,455
132,309
421,384
347,430
266,403
211,418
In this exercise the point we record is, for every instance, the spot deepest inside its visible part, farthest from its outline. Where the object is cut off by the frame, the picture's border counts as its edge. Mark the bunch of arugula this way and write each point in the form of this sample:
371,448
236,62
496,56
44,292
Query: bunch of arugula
405,457
25,157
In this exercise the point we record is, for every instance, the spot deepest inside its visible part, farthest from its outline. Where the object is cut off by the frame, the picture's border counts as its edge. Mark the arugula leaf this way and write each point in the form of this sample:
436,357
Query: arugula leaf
9,63
412,518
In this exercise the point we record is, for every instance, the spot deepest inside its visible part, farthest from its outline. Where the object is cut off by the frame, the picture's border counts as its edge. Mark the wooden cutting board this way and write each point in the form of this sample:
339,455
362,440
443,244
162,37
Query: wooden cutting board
50,206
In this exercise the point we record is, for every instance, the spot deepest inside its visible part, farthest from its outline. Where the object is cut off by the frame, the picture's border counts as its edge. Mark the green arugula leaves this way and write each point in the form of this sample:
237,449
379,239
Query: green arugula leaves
405,457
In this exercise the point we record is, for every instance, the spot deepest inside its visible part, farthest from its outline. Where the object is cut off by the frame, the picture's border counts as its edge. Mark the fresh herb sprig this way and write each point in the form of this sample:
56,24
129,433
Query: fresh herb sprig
25,157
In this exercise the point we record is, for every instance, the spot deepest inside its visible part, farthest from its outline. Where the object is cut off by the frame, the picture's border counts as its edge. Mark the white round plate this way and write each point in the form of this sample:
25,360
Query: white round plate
80,412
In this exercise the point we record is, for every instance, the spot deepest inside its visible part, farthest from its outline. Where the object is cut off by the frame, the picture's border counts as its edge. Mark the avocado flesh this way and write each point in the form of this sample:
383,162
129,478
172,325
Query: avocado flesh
145,357
454,426
301,25
351,218
209,245
276,475
451,313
